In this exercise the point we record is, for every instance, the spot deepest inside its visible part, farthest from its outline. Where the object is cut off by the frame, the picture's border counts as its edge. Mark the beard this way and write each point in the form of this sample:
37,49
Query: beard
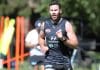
55,18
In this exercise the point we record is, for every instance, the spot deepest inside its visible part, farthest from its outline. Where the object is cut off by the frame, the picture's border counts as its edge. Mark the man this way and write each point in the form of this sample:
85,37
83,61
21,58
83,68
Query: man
31,41
60,37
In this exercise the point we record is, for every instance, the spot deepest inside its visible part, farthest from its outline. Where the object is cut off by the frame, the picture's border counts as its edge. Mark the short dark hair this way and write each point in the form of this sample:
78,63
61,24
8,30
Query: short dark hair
55,2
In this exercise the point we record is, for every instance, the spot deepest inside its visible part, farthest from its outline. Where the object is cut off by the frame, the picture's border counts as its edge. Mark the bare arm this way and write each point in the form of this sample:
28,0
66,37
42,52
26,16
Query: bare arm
42,39
71,39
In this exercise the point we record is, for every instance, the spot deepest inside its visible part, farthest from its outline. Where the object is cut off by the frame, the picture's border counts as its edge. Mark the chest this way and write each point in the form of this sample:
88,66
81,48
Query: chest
51,29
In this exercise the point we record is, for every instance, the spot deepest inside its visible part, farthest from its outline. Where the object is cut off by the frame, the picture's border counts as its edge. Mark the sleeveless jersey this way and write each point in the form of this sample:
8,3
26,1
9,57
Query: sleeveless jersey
58,52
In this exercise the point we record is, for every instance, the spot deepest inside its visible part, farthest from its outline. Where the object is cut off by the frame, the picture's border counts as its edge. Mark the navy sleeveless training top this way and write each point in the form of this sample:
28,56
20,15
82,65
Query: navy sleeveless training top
58,52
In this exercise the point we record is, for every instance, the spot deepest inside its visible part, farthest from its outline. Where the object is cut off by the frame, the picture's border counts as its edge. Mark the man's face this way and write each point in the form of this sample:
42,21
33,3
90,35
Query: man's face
54,11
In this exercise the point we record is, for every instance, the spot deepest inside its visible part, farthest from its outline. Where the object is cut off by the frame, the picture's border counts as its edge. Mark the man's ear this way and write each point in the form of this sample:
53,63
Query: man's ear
60,11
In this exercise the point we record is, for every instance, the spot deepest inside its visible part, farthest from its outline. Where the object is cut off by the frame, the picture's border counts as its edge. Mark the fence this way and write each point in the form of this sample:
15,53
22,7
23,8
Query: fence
12,26
6,33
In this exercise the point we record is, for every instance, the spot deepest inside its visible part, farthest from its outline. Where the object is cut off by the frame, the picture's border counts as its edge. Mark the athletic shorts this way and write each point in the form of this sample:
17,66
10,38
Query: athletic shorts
57,63
57,67
37,60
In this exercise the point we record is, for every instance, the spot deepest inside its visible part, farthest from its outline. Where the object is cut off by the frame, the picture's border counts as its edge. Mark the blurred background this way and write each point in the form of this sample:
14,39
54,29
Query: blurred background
84,15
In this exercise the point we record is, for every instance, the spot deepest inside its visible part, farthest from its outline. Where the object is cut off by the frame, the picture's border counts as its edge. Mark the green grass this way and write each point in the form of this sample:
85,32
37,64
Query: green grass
94,66
22,66
27,66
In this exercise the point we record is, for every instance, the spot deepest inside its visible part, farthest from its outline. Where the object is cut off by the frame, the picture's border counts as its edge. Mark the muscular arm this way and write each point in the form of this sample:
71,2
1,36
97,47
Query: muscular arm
42,39
72,38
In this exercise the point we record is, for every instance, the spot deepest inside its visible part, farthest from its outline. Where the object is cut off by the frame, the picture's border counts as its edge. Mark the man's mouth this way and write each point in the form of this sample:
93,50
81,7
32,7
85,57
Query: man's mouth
54,16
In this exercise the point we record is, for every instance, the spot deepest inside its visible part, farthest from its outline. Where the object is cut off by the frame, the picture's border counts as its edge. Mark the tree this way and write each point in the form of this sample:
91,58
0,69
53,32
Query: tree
87,10
14,7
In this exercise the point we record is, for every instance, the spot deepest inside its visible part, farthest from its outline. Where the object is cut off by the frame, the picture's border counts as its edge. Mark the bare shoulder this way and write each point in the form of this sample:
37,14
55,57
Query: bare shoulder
68,26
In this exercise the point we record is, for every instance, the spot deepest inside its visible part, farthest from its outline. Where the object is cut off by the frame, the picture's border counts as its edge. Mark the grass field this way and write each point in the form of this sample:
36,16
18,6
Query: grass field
95,65
27,66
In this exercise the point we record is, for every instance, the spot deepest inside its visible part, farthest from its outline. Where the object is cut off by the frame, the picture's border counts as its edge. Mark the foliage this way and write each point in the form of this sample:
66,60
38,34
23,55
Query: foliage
17,7
43,7
88,10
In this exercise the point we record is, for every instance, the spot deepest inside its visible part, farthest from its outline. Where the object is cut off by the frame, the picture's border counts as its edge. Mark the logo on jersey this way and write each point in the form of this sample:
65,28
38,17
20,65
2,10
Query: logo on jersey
47,30
53,38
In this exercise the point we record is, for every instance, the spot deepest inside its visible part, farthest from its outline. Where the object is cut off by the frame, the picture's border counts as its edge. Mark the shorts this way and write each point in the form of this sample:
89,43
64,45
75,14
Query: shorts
57,63
37,60
57,67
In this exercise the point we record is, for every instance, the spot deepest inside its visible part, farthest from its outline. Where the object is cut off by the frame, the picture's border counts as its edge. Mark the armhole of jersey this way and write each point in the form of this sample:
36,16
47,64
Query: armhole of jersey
65,21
